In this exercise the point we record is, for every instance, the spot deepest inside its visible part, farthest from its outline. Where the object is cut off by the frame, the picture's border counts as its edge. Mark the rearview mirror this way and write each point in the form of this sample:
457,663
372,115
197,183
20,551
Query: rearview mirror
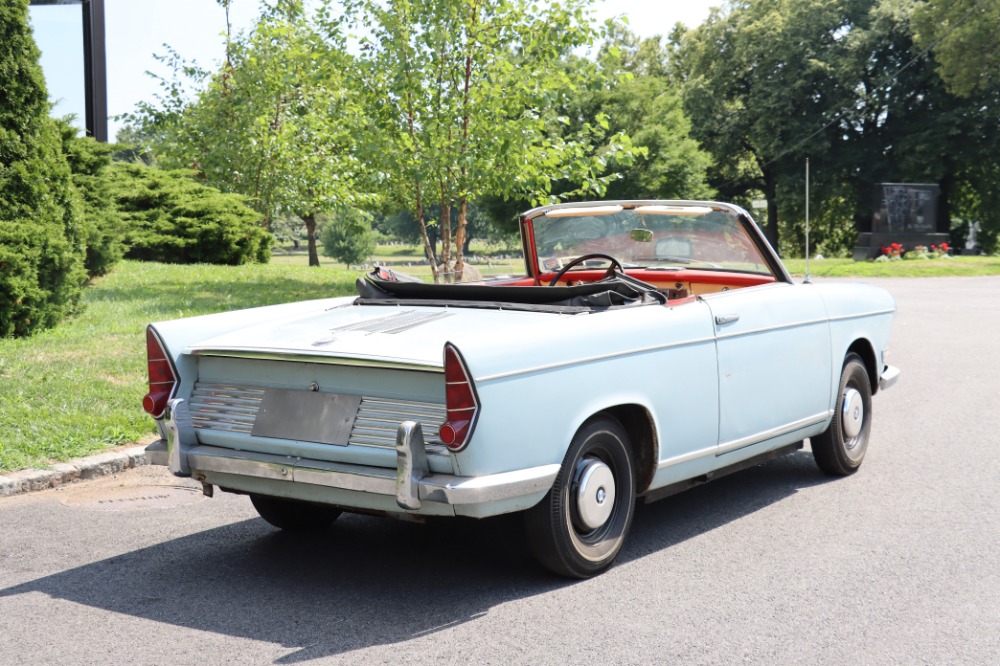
641,235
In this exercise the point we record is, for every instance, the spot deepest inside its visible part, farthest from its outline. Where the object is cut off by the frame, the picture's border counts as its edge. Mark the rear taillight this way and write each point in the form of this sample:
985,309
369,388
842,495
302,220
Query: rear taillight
460,399
161,376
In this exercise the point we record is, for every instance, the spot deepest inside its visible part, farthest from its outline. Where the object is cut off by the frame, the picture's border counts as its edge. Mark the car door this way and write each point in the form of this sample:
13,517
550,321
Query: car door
774,360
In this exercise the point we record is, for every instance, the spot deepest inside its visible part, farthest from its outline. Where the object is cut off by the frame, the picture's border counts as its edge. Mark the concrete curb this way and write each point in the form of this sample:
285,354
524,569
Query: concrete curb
91,467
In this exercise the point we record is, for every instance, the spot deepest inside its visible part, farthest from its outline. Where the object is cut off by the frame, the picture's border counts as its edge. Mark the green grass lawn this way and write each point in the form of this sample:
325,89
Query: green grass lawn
76,390
409,259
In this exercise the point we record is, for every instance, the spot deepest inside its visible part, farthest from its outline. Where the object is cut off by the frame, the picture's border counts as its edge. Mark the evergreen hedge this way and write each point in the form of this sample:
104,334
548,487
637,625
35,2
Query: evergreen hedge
103,226
171,218
42,228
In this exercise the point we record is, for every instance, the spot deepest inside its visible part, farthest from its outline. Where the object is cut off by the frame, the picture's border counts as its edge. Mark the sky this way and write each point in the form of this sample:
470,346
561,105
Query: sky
137,29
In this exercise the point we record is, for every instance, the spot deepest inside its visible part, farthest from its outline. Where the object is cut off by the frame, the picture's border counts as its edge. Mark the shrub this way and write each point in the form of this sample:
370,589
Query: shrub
171,218
347,236
42,230
89,161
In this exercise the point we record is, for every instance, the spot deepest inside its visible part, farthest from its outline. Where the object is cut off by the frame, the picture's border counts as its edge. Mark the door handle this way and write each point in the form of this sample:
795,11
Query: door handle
726,319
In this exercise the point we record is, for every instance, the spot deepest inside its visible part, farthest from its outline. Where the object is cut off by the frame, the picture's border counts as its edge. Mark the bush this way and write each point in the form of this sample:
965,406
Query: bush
173,219
42,230
347,236
104,232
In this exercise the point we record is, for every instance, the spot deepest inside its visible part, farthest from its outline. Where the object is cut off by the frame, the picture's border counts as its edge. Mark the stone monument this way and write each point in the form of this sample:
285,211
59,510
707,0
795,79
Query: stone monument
905,213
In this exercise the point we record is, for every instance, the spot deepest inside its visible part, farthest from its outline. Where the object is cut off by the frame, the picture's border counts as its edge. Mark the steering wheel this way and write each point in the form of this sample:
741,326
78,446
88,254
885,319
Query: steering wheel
585,257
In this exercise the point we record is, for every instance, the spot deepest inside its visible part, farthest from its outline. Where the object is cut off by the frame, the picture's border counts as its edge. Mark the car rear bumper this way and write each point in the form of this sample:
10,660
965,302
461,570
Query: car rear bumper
409,488
889,376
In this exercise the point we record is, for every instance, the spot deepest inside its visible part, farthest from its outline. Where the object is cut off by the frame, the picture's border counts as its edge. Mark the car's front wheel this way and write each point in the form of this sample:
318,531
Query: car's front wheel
293,515
840,450
580,526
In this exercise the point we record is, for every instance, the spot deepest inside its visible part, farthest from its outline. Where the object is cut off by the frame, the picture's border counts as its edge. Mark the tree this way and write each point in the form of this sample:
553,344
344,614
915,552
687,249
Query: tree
964,36
464,93
42,231
759,81
276,123
347,236
775,81
642,101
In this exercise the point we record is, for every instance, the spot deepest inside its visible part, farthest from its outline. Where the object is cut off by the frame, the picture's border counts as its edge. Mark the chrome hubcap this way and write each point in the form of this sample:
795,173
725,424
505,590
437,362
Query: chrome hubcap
595,495
852,415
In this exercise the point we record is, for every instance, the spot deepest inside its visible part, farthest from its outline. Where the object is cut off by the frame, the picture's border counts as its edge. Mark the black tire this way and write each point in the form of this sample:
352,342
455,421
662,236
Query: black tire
293,515
840,450
571,531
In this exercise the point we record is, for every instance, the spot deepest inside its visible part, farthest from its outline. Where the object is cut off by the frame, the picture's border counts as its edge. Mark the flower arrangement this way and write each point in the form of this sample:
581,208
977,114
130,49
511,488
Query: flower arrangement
891,252
938,251
895,252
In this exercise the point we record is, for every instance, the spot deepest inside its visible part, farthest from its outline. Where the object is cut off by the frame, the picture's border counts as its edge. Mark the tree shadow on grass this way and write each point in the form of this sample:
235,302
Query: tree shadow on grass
371,581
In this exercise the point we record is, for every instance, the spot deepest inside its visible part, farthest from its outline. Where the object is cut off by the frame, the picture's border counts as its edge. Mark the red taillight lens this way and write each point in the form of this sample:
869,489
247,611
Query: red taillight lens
460,399
161,376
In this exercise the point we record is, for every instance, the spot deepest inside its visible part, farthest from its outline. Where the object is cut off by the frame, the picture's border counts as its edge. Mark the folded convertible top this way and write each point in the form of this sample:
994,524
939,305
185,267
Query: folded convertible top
613,292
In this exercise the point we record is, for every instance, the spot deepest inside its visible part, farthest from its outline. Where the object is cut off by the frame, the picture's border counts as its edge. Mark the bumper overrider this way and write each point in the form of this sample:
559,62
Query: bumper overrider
409,488
890,374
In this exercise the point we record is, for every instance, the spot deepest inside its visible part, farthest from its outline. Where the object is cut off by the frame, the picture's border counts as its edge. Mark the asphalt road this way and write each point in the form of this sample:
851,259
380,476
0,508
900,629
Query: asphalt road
775,565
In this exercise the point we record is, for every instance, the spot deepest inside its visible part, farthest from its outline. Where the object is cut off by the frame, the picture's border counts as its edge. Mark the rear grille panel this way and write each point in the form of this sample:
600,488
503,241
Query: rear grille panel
233,408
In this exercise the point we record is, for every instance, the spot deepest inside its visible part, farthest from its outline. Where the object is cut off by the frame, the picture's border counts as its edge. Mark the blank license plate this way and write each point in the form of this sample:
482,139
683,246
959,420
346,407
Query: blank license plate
307,416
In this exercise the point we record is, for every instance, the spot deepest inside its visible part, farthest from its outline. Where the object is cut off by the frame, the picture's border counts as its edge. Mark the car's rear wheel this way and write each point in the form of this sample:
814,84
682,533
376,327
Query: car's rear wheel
293,515
840,450
580,526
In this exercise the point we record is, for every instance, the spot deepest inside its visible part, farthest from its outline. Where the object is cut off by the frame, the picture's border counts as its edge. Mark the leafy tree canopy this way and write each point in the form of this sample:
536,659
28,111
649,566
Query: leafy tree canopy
276,123
964,36
466,98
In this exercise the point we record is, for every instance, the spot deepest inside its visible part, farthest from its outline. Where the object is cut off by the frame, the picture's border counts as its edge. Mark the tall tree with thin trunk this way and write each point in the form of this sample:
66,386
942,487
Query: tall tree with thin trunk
468,93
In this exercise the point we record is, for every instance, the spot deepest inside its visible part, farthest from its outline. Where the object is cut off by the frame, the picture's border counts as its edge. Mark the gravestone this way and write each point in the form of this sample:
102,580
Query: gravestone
905,213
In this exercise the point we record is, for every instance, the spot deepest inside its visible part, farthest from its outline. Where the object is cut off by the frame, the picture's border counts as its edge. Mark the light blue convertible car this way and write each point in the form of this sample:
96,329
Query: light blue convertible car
648,347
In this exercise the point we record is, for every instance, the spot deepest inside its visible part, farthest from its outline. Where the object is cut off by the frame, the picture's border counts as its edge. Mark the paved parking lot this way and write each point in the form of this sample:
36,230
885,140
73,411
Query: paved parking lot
775,565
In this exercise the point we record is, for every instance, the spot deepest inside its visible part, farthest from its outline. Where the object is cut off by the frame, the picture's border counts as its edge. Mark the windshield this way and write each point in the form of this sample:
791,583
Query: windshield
651,236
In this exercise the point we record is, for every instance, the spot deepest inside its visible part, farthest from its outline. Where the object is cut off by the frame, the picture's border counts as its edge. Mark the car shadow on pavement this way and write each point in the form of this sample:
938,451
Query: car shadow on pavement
370,581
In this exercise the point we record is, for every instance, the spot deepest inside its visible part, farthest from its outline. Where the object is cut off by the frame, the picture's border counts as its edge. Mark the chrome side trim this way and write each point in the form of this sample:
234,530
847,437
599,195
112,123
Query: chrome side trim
281,355
411,464
863,315
767,329
686,457
591,359
774,432
744,441
888,378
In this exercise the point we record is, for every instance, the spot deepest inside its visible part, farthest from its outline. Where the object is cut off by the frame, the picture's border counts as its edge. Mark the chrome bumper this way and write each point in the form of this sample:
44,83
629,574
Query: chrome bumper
411,482
889,377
